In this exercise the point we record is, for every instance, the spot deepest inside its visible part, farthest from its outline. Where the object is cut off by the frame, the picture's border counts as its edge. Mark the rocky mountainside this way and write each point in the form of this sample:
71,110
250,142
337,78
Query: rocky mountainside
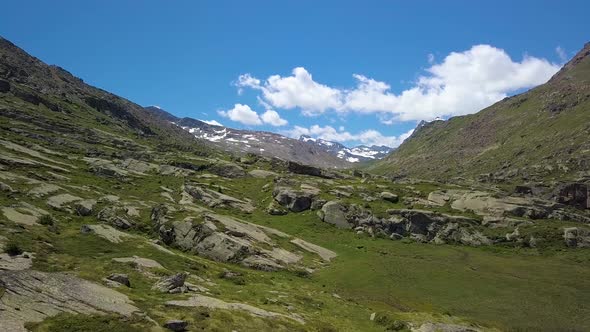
263,143
113,217
540,136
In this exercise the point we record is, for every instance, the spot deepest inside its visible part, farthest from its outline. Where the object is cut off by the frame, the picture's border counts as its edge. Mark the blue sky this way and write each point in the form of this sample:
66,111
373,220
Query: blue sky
352,71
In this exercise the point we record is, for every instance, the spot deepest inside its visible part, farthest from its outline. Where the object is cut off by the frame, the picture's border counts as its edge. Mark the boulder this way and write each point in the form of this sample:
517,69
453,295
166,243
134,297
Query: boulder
176,325
294,200
334,213
227,170
171,284
120,278
85,207
259,173
390,197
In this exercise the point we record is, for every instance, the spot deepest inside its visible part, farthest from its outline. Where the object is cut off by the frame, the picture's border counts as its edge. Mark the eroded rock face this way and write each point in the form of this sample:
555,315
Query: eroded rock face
574,194
171,284
32,296
115,216
419,225
224,239
216,199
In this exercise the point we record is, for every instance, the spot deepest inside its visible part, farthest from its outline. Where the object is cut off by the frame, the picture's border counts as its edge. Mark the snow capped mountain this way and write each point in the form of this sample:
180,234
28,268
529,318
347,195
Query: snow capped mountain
306,150
354,155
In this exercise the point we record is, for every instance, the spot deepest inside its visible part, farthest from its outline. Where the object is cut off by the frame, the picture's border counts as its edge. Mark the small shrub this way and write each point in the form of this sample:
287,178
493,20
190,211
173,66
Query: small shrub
46,220
13,249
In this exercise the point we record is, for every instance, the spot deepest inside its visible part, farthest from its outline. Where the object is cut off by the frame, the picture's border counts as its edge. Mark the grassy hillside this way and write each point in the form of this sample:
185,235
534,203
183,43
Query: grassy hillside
540,135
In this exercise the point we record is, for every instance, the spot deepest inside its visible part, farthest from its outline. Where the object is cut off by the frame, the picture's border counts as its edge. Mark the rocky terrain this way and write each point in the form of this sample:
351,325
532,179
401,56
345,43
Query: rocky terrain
111,215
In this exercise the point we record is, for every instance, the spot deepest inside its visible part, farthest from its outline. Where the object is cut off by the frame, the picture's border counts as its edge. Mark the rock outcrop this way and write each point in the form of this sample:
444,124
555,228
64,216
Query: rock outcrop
224,239
216,199
574,194
32,296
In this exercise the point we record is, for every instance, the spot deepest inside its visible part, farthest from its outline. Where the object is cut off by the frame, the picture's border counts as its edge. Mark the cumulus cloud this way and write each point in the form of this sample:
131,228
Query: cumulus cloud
273,118
212,122
245,115
296,91
367,137
463,83
242,114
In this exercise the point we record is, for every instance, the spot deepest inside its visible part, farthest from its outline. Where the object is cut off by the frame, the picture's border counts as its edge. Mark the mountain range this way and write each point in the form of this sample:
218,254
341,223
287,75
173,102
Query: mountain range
306,150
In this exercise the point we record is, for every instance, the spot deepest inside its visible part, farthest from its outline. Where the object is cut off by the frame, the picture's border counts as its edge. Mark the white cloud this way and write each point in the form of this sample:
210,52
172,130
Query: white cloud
212,122
463,83
296,91
243,114
561,53
273,118
367,137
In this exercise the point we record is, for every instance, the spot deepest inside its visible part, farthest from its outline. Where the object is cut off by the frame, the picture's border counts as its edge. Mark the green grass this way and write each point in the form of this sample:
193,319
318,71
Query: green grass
84,323
510,288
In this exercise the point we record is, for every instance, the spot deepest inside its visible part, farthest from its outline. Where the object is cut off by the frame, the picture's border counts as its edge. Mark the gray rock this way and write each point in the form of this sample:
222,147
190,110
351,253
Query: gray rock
176,325
33,296
227,170
171,284
260,173
123,279
574,194
576,237
114,216
294,200
334,213
217,199
390,197
317,204
85,207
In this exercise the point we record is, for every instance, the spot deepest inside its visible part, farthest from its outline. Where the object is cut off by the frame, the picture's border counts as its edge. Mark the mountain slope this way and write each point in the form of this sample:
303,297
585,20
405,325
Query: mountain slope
535,136
75,107
257,142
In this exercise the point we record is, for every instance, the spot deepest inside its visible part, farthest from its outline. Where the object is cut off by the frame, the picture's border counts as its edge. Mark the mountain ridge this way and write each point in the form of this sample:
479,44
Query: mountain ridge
539,135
